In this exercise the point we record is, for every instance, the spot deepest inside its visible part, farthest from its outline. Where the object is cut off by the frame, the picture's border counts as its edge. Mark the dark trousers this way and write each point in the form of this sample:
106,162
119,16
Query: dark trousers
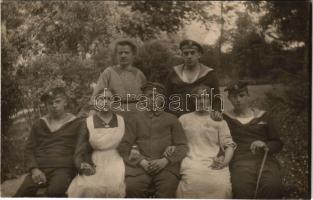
58,180
165,184
244,177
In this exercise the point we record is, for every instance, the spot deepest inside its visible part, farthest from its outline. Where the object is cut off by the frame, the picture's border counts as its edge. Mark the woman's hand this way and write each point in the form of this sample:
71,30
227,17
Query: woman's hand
169,151
87,169
134,155
216,116
38,176
219,163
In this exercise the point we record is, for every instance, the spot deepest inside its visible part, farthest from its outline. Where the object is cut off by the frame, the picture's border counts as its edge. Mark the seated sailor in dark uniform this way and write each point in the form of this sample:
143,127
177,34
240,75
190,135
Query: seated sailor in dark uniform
52,145
254,132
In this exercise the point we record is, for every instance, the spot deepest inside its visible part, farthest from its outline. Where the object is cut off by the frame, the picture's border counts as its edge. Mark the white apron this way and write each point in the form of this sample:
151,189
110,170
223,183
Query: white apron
108,181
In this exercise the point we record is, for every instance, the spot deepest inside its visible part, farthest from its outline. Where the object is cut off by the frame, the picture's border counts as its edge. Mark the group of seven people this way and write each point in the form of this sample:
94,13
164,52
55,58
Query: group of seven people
184,149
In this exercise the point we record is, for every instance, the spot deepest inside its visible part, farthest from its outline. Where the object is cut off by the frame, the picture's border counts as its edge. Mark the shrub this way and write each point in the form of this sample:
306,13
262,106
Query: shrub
291,112
155,59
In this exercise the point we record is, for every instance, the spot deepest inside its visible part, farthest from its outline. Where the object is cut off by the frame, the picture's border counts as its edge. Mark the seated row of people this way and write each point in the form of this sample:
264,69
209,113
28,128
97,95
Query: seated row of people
107,155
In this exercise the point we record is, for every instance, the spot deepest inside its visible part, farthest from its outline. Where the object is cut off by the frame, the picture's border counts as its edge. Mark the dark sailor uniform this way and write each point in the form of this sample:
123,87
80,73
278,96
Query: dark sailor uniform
245,166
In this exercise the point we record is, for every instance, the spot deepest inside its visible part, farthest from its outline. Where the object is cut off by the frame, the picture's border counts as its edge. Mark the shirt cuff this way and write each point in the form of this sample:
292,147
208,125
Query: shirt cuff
233,145
168,158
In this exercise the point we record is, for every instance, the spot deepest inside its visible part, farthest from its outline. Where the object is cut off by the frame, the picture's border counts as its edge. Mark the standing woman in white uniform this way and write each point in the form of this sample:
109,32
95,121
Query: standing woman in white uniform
106,130
204,175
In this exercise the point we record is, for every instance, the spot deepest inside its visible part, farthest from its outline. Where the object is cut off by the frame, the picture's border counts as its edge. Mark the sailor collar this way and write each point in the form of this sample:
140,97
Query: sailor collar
46,121
204,70
256,115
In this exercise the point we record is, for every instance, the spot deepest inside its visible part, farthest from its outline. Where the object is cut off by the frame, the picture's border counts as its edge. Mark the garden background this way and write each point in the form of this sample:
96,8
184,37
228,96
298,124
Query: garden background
69,43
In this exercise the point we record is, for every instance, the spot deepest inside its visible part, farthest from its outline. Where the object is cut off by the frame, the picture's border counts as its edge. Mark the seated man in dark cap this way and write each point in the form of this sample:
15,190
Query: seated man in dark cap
153,131
52,143
254,133
184,77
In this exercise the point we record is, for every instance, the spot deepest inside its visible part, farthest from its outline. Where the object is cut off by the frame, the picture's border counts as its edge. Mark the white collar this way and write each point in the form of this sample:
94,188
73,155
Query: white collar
204,70
256,114
45,119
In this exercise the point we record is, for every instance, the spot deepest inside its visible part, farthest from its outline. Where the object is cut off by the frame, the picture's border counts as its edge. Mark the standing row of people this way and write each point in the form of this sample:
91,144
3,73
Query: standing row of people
125,154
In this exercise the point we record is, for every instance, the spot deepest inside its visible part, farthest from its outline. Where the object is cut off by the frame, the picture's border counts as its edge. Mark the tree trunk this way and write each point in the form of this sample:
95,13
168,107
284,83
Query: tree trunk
221,37
307,50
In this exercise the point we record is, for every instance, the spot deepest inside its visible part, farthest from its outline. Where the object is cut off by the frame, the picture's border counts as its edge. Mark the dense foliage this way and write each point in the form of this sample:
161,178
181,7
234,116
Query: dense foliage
291,112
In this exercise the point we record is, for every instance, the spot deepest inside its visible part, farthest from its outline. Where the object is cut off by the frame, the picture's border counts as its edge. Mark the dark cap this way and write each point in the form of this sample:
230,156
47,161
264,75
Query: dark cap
53,93
158,86
237,86
190,44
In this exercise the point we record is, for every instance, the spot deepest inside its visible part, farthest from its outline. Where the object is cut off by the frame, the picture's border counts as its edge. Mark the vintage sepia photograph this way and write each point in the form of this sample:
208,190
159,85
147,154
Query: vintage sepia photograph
156,99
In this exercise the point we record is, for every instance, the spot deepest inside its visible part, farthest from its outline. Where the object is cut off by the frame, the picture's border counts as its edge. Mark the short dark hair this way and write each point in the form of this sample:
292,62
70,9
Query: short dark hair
53,93
126,42
151,85
99,92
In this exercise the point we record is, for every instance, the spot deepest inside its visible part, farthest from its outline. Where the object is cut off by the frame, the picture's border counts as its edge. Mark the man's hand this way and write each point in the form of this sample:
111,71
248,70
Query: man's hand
169,151
257,146
145,165
87,169
38,176
157,165
216,116
219,163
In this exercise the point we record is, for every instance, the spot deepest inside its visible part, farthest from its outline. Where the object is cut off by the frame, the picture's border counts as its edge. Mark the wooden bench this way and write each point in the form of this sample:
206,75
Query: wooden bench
150,193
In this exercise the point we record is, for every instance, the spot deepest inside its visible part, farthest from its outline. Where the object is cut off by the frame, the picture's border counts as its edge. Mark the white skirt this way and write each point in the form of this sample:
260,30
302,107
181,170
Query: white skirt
200,181
107,182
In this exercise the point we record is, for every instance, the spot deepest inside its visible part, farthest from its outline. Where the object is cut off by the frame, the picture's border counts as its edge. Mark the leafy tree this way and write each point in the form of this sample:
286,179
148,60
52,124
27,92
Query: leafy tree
249,50
155,58
74,74
148,19
288,23
10,99
69,27
9,89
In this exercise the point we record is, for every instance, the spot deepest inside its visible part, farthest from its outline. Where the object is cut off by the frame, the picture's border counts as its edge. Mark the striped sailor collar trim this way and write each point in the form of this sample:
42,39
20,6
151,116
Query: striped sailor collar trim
204,70
45,118
257,113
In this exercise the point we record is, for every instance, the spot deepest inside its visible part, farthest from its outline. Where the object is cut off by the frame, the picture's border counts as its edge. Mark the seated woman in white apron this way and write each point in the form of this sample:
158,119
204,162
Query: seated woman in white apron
106,130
